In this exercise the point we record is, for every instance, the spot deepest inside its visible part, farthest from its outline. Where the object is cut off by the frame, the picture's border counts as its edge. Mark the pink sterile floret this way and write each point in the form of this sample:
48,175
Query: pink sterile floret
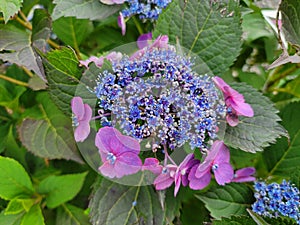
119,153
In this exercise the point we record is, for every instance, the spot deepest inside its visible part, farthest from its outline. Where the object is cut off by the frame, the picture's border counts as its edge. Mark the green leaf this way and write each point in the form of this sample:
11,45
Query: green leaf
13,219
33,217
41,28
14,181
295,177
210,30
9,8
83,9
71,215
293,87
63,76
60,189
15,47
257,218
282,158
280,221
190,209
290,11
10,97
113,204
52,136
16,206
72,31
254,133
235,220
226,201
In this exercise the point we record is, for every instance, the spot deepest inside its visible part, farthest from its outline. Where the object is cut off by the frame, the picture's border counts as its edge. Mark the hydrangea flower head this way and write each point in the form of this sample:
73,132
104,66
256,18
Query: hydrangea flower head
217,160
119,153
234,101
275,199
82,114
157,95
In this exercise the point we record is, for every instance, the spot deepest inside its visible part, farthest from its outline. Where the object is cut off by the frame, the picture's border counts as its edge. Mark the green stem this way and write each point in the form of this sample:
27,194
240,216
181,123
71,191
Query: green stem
138,25
12,80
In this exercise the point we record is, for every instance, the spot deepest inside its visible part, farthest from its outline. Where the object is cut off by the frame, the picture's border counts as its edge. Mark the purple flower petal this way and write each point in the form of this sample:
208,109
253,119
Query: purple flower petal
107,170
82,132
163,181
127,163
152,164
224,173
196,183
122,24
223,153
160,42
244,175
232,120
143,40
77,107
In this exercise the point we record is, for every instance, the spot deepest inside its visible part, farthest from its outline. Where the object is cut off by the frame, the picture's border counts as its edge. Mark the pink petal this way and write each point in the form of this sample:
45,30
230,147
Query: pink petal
243,179
220,83
122,24
77,107
163,181
107,170
242,109
82,131
223,154
232,120
196,183
143,40
127,163
248,171
152,164
224,173
87,113
177,184
160,42
114,56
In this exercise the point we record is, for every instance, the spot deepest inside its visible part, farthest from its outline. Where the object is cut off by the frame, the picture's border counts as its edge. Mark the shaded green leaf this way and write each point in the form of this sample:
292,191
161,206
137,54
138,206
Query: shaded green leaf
113,203
63,74
71,215
10,97
72,31
254,133
257,218
295,177
290,11
9,8
60,189
283,157
83,9
14,180
212,31
280,221
15,47
228,200
235,220
13,219
41,29
293,87
16,206
52,136
33,217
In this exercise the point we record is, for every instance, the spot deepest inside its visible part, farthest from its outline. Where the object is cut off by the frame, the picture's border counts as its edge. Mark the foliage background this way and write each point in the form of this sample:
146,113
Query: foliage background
45,180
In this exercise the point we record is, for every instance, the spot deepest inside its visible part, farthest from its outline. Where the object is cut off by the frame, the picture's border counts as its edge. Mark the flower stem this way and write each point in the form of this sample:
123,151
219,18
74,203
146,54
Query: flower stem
12,80
138,25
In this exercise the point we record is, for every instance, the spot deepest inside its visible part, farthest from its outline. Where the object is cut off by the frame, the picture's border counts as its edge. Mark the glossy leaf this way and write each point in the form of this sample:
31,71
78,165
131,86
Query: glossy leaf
15,46
210,30
9,8
252,134
16,206
60,189
50,137
226,201
14,180
33,217
13,219
72,31
83,9
116,204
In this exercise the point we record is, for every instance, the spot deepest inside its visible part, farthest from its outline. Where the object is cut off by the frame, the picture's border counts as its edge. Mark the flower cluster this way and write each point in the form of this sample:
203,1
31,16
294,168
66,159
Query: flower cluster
158,95
146,9
155,96
273,200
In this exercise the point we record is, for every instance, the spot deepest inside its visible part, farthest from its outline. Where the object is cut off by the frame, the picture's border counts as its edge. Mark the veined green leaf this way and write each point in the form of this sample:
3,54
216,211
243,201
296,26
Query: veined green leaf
9,8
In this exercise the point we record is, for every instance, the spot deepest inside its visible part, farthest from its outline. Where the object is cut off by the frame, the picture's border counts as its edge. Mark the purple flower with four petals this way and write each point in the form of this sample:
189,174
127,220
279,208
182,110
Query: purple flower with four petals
119,153
216,160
